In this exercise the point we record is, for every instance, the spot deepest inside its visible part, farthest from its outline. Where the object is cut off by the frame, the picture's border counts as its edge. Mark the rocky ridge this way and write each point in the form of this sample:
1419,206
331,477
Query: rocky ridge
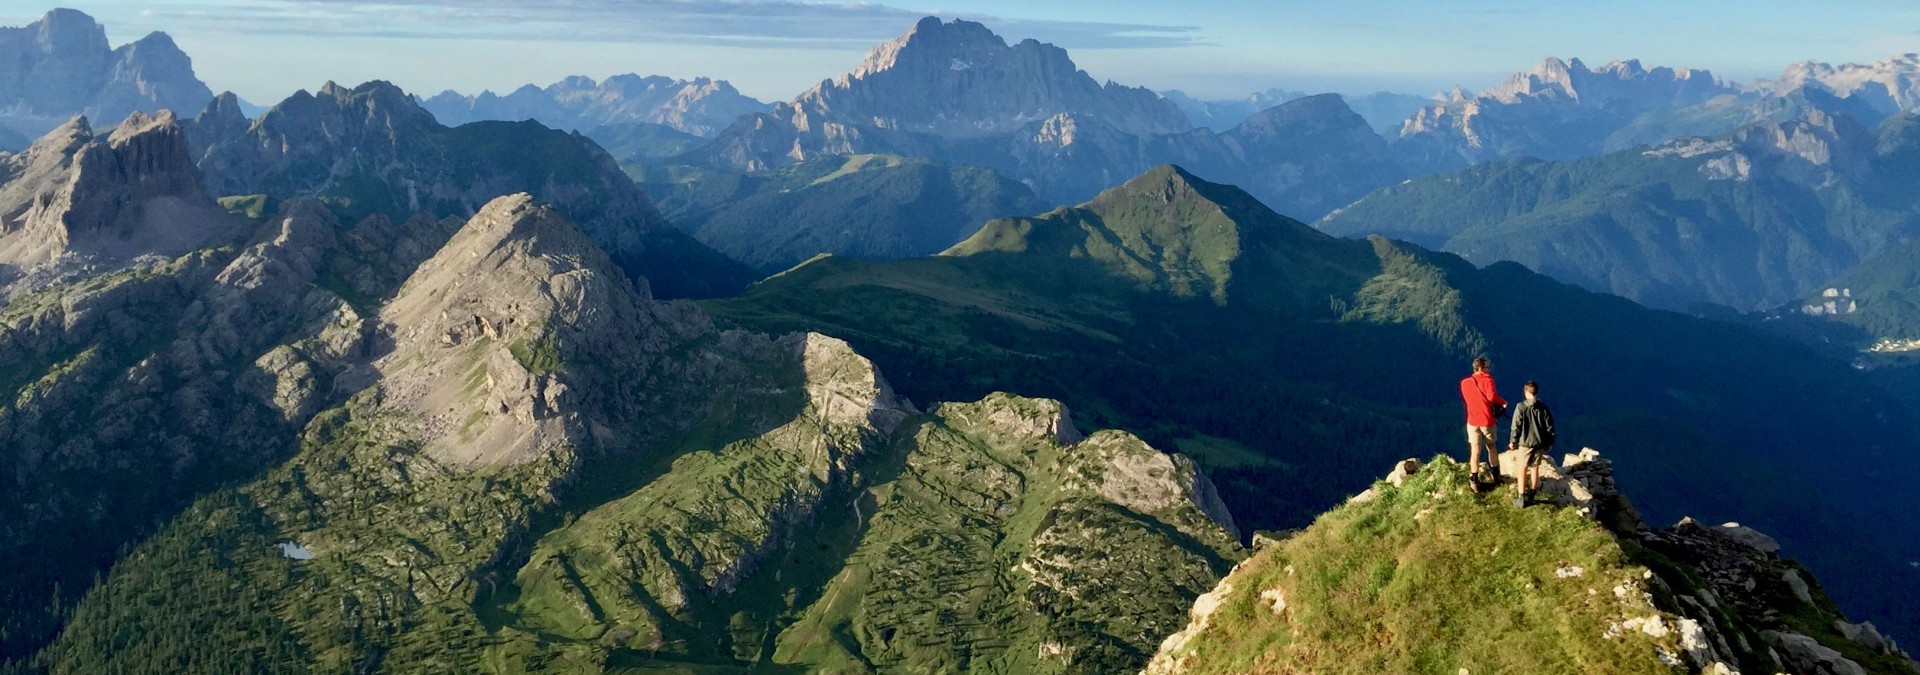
1559,110
521,458
1891,85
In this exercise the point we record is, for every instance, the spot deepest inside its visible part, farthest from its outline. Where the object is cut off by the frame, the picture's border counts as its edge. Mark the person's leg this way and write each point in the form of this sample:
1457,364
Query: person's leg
1520,475
1473,450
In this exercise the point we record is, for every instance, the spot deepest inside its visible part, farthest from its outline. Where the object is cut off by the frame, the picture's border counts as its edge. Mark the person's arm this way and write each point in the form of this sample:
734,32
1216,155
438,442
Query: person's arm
1513,434
1546,425
1493,392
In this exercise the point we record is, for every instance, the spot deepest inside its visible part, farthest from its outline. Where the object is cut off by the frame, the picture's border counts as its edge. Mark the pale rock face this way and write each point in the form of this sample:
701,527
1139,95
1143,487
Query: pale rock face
1137,476
1006,419
1890,85
1559,110
958,80
78,199
480,328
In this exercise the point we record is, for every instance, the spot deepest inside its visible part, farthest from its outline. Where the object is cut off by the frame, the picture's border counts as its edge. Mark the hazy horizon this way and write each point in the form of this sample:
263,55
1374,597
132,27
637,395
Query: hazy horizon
264,50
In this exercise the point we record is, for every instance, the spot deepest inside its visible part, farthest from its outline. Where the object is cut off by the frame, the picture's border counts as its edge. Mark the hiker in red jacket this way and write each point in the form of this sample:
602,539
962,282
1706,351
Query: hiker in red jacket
1484,405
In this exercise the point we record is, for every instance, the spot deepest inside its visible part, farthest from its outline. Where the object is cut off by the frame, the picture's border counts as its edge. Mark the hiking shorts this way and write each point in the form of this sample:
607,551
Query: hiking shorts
1534,454
1477,436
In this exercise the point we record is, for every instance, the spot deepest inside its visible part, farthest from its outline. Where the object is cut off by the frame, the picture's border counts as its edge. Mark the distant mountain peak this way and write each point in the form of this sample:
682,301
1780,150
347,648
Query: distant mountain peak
959,79
955,39
63,64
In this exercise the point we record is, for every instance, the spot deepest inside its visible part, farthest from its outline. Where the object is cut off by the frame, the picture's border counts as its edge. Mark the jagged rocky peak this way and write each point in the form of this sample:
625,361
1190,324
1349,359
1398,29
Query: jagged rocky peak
1627,79
78,197
222,118
959,79
378,99
484,330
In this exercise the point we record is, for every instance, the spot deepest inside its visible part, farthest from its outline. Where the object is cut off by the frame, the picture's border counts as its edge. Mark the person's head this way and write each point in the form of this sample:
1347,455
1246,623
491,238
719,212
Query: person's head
1482,365
1533,390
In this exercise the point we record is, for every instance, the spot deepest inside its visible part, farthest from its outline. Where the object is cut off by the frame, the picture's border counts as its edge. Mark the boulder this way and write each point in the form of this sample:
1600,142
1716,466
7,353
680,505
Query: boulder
1803,655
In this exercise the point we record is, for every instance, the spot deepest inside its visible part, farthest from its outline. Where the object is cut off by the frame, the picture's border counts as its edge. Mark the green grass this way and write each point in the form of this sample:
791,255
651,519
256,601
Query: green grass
1411,582
251,207
540,356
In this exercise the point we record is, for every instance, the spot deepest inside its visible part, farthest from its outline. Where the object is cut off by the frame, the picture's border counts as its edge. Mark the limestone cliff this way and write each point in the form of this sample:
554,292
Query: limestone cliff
77,200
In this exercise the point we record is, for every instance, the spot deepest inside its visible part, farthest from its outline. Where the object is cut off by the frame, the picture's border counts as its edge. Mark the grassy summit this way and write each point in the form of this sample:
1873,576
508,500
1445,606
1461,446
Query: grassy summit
1430,578
1420,575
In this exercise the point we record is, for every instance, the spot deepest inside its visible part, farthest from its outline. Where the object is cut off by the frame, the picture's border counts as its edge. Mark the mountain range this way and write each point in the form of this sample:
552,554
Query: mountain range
62,65
963,361
373,151
1750,220
1189,312
701,107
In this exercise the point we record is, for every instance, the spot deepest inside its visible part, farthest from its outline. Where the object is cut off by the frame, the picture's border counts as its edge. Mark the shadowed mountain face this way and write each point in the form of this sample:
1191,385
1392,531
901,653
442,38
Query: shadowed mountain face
1751,220
1290,362
882,207
62,66
373,150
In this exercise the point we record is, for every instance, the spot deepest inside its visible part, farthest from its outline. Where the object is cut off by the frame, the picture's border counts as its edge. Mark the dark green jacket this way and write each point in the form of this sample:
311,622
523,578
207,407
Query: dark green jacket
1532,425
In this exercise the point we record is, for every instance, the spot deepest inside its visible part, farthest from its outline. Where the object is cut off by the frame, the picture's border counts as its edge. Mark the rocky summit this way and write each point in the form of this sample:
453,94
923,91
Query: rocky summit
78,203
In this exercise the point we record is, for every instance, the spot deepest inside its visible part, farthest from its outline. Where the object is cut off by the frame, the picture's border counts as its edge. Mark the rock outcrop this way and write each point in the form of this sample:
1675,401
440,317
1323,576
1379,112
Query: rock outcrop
79,201
62,66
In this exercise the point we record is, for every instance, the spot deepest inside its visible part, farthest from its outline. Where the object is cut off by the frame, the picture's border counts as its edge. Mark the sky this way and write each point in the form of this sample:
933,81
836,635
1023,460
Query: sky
774,49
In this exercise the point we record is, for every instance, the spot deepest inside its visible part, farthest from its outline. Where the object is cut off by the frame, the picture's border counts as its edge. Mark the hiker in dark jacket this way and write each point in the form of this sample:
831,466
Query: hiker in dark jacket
1533,433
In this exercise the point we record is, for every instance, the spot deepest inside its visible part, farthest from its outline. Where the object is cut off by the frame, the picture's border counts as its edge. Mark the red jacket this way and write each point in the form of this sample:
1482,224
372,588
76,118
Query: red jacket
1478,392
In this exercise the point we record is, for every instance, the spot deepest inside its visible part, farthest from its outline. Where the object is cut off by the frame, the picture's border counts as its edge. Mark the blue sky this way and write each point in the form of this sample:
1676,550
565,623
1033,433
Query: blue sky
773,49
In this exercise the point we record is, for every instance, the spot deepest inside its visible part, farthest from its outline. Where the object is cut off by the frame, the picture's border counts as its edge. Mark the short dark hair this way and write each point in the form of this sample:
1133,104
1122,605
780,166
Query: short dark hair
1482,364
1533,387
